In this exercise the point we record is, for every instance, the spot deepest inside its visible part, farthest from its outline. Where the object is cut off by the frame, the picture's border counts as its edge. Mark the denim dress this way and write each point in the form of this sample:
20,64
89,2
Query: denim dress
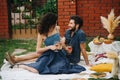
51,62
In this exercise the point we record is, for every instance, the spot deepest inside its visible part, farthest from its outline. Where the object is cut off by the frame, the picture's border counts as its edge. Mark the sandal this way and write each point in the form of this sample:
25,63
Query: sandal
10,59
16,66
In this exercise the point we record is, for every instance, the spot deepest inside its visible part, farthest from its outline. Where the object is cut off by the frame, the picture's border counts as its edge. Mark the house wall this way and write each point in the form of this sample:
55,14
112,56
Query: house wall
4,33
90,11
65,9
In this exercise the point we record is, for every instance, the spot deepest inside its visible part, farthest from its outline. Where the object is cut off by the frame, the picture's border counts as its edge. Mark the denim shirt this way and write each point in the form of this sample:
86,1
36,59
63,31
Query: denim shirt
75,41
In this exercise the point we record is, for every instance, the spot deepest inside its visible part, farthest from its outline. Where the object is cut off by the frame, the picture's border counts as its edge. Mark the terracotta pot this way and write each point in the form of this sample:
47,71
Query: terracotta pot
110,36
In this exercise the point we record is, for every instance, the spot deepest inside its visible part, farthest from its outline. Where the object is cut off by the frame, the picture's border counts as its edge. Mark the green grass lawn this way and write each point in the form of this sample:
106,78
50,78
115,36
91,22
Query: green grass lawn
10,45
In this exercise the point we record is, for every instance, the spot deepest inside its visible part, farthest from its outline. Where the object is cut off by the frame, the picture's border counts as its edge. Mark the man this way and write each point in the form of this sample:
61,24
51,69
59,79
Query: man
75,37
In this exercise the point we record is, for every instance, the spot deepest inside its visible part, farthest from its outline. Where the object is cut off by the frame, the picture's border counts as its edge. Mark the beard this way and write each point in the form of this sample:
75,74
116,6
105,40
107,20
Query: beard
73,28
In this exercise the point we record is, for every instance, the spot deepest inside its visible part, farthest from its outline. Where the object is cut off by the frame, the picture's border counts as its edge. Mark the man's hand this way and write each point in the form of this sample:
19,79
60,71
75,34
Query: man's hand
90,65
69,49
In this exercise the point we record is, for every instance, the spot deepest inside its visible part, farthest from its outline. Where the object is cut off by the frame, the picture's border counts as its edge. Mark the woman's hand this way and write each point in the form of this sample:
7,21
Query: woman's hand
52,47
62,41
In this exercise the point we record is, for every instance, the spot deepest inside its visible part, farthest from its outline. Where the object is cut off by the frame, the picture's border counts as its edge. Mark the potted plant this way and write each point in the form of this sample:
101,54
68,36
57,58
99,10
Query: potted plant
110,23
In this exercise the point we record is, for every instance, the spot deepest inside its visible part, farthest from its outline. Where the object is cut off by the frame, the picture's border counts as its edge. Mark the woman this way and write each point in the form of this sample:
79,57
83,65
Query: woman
50,61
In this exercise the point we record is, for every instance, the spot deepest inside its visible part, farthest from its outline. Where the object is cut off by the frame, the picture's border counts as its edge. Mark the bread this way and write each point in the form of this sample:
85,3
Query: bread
108,41
98,75
97,41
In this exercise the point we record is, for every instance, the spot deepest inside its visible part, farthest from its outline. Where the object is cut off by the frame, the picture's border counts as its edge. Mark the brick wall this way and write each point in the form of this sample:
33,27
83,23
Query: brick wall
65,9
90,11
3,19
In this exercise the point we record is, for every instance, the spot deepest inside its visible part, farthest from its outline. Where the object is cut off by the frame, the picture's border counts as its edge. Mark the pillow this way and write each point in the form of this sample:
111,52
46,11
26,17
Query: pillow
104,67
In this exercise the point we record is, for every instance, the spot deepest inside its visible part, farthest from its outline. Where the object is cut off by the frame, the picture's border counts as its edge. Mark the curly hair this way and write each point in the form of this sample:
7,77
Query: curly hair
48,21
78,20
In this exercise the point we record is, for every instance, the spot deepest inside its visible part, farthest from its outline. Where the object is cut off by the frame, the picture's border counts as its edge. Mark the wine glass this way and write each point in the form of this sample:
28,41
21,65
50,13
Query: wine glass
69,47
56,43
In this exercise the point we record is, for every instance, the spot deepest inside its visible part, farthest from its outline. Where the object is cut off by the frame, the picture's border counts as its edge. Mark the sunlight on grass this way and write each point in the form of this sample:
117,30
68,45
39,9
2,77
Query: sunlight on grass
10,45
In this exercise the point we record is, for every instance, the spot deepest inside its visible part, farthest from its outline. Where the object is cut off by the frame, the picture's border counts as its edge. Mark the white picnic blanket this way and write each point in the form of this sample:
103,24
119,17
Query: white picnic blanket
21,74
98,49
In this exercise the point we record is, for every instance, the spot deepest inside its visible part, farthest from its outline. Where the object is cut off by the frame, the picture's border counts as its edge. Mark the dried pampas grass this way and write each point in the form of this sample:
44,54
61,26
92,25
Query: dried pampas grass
111,22
112,55
115,67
